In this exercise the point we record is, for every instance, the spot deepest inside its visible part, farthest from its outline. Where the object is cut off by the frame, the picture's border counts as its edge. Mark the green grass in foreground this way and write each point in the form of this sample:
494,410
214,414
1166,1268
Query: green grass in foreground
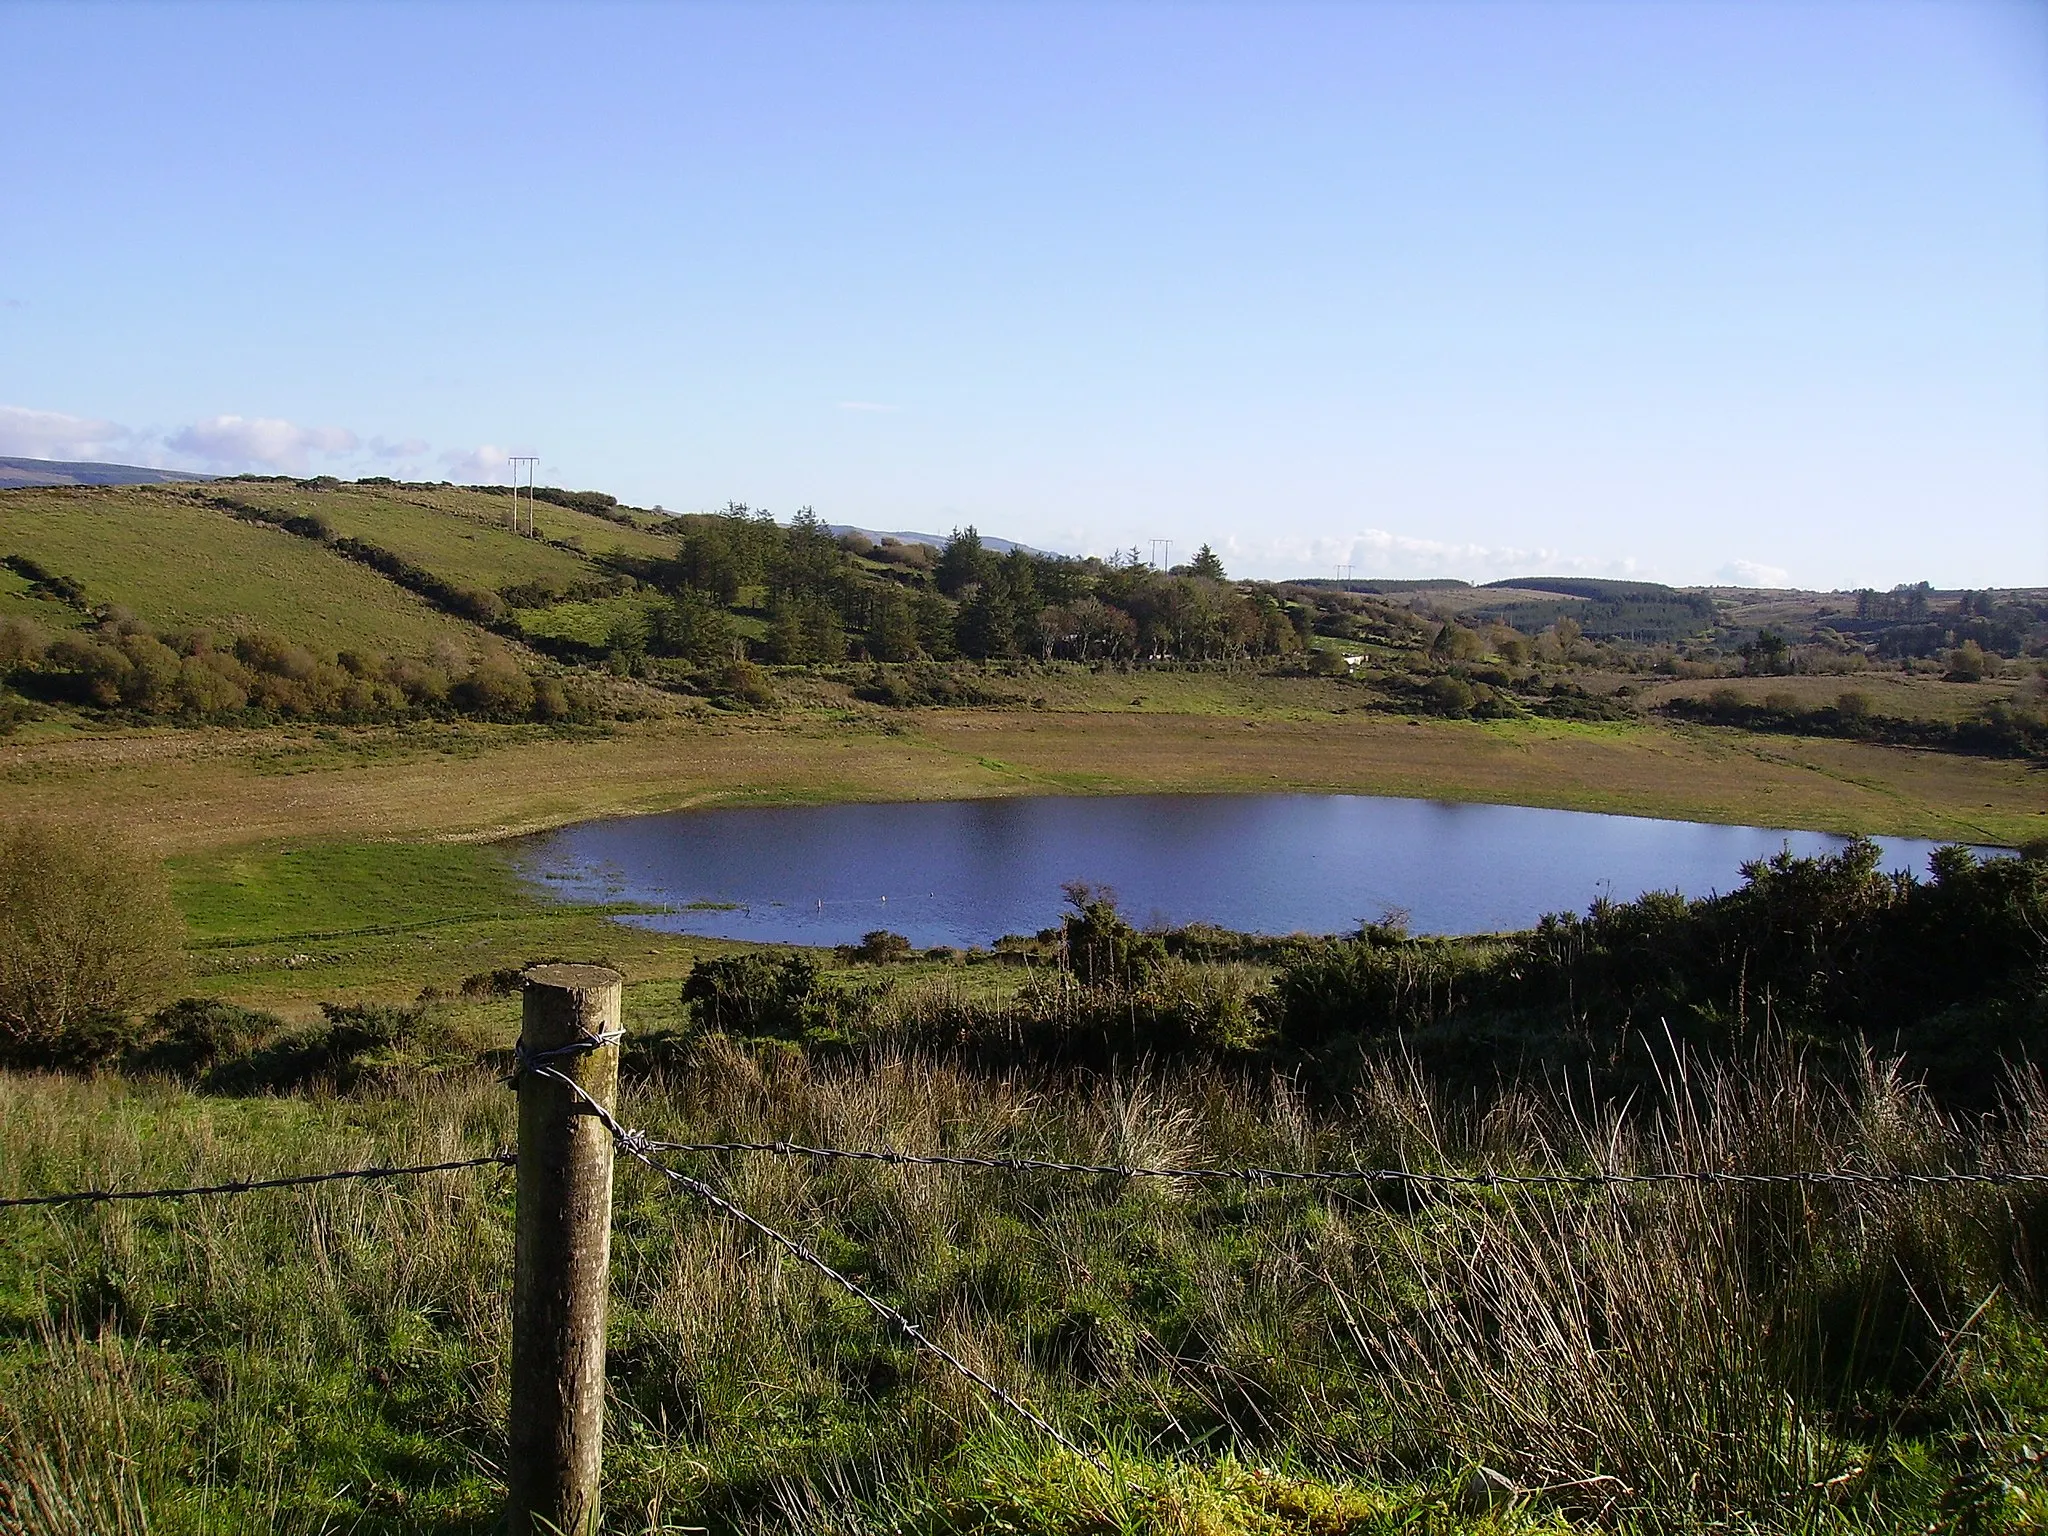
1292,1361
285,928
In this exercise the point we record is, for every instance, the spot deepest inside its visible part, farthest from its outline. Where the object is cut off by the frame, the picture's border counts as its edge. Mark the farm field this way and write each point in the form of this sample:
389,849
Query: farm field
1299,1360
190,790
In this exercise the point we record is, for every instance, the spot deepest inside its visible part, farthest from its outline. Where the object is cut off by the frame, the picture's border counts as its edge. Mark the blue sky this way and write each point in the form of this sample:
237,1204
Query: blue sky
1752,291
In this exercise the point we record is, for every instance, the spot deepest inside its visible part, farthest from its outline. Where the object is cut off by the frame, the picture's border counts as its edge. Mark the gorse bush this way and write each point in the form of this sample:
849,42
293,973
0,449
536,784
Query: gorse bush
754,992
1997,729
121,664
88,937
1951,971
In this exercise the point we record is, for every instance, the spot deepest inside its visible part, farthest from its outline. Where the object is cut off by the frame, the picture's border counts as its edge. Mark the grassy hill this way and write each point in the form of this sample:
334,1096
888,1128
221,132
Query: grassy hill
174,561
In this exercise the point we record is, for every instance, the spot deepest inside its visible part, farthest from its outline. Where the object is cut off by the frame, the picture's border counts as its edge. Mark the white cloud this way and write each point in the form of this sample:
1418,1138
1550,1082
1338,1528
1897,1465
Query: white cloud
410,448
482,465
1379,552
29,434
241,442
1749,573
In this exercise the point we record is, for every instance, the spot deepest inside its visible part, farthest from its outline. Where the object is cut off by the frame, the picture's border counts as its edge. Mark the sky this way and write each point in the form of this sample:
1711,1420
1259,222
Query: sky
1750,292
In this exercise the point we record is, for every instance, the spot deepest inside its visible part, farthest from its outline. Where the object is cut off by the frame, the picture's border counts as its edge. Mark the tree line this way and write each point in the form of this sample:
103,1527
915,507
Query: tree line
828,598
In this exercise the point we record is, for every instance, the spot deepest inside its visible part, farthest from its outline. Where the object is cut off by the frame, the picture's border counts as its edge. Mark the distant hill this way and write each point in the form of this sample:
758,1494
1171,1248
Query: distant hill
23,472
1378,586
1597,589
1644,611
936,540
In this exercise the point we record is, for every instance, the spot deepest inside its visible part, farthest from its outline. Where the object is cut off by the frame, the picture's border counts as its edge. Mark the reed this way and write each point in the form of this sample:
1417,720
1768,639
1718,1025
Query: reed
1257,1359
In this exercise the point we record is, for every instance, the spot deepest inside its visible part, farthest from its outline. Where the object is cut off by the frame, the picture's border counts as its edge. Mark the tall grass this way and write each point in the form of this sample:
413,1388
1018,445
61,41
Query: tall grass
1315,1359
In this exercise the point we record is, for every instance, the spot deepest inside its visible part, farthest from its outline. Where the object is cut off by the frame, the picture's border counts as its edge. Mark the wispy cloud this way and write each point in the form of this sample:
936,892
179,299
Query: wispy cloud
232,443
262,442
482,465
1381,552
32,434
1752,573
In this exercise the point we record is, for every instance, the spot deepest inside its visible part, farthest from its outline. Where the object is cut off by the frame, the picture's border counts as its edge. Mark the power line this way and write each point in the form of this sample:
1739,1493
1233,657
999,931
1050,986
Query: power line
530,461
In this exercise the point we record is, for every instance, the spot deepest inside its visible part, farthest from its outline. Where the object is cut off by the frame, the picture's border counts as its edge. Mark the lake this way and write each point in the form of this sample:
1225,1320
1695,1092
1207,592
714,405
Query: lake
965,872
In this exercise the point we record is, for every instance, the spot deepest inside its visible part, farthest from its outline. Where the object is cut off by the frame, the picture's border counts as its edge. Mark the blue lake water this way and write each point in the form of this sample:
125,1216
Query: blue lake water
966,872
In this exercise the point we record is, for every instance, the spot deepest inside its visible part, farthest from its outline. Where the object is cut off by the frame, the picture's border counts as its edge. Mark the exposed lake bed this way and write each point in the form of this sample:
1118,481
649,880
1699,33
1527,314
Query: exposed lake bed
963,873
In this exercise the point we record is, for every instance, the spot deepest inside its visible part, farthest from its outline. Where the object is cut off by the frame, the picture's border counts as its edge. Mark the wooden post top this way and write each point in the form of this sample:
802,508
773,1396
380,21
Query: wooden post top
572,978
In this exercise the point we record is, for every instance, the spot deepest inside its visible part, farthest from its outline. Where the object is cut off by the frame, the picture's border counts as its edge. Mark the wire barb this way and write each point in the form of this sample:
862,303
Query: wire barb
639,1146
525,1059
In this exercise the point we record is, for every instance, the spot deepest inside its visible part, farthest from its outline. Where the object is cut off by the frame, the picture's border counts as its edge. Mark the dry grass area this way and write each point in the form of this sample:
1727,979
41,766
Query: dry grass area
1250,1360
187,791
1910,696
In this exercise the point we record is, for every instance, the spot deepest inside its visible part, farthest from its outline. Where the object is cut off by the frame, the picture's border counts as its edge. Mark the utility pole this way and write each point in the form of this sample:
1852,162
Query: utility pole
529,461
1157,545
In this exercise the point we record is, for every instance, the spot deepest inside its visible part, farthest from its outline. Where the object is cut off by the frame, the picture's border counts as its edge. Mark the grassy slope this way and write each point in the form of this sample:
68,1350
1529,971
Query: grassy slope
192,790
486,554
286,927
174,562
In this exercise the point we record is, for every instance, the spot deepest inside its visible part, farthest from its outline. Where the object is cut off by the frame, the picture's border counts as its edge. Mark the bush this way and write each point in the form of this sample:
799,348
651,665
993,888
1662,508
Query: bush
761,994
196,1034
88,936
877,947
346,1052
744,685
1099,947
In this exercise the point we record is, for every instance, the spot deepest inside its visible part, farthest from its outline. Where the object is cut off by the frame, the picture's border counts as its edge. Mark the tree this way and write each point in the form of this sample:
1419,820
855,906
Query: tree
1207,563
694,627
963,562
987,625
705,560
88,937
892,627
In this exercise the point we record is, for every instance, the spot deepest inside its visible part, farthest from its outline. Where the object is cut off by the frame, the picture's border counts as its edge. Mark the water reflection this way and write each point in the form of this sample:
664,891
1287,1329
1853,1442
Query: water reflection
964,872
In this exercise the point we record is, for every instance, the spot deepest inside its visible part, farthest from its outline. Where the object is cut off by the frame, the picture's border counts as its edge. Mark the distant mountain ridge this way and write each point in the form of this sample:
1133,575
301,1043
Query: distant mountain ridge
936,540
23,472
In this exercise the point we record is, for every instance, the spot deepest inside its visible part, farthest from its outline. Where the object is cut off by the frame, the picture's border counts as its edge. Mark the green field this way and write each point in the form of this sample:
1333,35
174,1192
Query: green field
482,553
175,563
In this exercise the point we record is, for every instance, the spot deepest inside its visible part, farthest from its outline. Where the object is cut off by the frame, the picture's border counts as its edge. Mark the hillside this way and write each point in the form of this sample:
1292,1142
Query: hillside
25,472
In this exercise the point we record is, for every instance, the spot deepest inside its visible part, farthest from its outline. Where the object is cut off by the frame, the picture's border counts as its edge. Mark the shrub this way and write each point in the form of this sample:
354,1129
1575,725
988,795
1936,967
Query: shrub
878,947
195,1034
746,685
1099,947
88,935
753,993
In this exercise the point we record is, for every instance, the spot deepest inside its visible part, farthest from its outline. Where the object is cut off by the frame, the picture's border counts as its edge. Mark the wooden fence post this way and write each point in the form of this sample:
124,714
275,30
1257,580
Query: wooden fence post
562,1254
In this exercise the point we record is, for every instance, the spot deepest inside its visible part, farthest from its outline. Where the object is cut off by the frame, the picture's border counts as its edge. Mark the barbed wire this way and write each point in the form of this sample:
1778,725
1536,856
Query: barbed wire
249,1186
1263,1175
641,1148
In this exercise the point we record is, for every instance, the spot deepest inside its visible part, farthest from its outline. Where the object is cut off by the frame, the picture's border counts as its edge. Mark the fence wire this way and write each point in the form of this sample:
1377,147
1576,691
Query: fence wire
644,1149
1259,1175
249,1186
639,1147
